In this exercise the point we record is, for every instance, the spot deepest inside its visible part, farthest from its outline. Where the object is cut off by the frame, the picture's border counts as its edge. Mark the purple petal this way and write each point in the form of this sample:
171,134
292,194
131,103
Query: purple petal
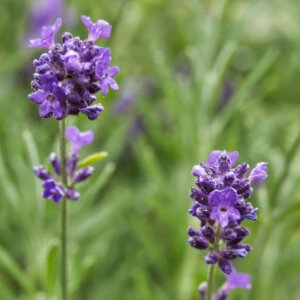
234,213
224,219
83,174
214,215
45,109
55,162
100,29
73,134
72,61
226,197
113,71
38,97
41,173
202,290
213,157
233,157
78,139
92,112
237,280
259,173
47,36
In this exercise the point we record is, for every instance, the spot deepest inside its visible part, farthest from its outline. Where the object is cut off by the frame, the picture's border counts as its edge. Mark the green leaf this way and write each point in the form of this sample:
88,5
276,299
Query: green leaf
91,159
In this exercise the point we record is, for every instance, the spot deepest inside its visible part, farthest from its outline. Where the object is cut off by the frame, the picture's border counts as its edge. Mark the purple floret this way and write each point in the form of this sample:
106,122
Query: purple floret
259,173
52,190
100,29
222,203
78,139
47,36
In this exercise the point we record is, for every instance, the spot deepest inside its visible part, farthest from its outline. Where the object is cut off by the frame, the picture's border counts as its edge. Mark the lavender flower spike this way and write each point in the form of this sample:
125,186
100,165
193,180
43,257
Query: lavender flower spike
69,75
78,139
100,29
220,203
52,187
47,36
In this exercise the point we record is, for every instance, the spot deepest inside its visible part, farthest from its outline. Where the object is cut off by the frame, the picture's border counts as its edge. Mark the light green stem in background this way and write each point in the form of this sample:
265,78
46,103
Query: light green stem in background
63,158
211,268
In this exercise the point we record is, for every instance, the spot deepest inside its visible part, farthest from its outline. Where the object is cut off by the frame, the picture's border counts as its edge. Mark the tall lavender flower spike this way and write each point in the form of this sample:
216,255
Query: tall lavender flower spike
54,189
70,74
221,205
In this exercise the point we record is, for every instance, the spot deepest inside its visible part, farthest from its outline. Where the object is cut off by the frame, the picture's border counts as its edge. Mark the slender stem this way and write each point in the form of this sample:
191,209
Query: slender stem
63,158
211,268
210,281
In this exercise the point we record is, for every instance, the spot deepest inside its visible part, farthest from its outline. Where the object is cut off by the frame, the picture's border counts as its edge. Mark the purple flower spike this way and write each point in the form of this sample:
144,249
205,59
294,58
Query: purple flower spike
222,203
100,29
52,191
220,196
68,76
78,139
47,36
259,173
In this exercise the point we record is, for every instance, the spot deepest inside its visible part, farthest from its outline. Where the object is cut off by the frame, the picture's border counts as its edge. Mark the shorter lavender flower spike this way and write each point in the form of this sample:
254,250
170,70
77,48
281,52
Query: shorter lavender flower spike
259,173
78,139
237,280
47,36
52,191
83,174
100,29
41,173
55,162
223,206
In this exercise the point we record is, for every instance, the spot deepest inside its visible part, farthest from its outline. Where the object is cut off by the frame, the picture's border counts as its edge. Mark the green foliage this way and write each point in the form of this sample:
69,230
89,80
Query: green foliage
127,234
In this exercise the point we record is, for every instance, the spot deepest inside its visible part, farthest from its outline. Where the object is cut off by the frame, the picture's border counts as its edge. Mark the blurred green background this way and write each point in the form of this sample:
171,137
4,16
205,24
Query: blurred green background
195,76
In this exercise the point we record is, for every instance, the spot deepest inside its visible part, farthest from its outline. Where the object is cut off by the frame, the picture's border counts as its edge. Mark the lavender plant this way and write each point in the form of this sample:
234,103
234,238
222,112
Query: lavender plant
221,205
66,80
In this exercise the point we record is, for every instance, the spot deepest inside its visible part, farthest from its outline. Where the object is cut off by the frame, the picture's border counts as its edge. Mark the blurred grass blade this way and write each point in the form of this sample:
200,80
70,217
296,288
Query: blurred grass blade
7,263
91,159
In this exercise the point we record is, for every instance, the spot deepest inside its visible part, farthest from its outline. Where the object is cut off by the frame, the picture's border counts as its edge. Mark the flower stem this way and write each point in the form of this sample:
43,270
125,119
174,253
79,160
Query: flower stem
63,157
210,280
211,268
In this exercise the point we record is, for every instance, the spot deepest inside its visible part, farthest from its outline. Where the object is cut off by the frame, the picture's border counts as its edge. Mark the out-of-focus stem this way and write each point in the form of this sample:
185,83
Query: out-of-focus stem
63,158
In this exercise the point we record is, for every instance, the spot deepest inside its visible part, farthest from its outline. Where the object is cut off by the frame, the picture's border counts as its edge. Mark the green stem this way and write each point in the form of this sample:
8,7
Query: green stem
211,268
210,281
63,158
